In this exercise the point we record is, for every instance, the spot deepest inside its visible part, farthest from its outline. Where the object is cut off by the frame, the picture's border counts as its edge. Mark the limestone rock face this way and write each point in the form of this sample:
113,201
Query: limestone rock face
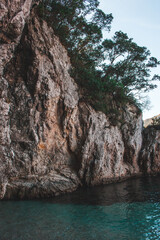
110,152
150,153
36,91
51,141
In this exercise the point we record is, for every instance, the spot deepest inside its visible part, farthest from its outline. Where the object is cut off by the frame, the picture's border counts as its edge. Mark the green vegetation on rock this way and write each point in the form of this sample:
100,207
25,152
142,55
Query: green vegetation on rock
109,71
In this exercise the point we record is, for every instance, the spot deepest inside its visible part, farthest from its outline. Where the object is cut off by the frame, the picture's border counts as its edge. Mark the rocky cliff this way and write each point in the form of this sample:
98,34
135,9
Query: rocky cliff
51,141
149,159
150,121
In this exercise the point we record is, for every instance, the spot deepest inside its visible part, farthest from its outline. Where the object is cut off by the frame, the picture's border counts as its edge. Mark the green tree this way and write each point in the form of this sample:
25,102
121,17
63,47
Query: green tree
76,22
79,25
128,65
107,70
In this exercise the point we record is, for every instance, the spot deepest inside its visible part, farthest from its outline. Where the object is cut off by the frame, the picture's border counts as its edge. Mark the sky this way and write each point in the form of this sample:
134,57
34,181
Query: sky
140,19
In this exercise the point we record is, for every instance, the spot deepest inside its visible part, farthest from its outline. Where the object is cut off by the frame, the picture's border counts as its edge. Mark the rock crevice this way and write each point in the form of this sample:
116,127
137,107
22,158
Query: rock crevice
51,141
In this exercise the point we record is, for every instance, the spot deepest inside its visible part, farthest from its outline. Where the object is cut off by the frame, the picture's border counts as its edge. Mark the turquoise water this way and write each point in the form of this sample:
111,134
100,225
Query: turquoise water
128,210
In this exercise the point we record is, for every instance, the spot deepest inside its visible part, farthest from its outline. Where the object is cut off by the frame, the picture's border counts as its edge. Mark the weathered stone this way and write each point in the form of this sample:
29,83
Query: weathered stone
150,153
51,141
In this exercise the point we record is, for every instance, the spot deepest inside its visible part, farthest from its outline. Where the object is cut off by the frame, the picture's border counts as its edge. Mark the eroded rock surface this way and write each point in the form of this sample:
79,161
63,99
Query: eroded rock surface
150,153
51,141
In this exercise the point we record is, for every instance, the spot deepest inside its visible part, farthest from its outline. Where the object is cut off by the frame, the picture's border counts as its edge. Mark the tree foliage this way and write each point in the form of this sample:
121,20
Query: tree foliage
129,65
106,69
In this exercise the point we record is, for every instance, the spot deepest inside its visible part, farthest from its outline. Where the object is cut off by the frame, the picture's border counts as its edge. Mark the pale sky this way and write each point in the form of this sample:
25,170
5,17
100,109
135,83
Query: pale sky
140,19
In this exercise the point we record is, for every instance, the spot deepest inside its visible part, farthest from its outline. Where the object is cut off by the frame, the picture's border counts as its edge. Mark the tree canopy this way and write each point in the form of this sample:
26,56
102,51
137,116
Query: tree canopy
106,69
128,64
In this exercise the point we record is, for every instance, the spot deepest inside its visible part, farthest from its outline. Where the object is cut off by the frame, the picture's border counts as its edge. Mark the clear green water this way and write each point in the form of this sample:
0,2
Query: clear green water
128,210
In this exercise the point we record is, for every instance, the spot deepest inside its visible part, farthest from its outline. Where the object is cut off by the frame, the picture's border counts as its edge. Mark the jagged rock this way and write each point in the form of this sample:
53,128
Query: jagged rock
150,121
150,153
51,141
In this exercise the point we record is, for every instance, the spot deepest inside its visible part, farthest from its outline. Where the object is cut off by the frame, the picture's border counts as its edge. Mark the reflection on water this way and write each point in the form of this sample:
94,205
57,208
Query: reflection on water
127,210
132,190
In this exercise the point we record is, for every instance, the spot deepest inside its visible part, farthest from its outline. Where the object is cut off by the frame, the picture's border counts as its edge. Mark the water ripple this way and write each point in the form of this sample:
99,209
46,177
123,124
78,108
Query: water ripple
123,211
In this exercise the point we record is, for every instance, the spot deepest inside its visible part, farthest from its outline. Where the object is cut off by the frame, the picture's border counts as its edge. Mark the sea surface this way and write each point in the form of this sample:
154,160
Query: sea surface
128,210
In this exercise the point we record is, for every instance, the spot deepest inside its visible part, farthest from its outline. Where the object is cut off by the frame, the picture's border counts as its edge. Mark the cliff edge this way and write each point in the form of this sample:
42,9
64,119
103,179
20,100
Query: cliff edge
51,141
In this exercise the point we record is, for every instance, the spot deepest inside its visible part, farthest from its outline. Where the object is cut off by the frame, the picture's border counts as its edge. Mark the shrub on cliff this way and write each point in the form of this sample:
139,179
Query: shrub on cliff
115,67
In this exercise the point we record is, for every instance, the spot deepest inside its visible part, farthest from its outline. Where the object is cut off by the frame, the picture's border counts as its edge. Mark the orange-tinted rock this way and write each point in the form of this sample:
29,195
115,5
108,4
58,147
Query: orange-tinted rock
51,141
